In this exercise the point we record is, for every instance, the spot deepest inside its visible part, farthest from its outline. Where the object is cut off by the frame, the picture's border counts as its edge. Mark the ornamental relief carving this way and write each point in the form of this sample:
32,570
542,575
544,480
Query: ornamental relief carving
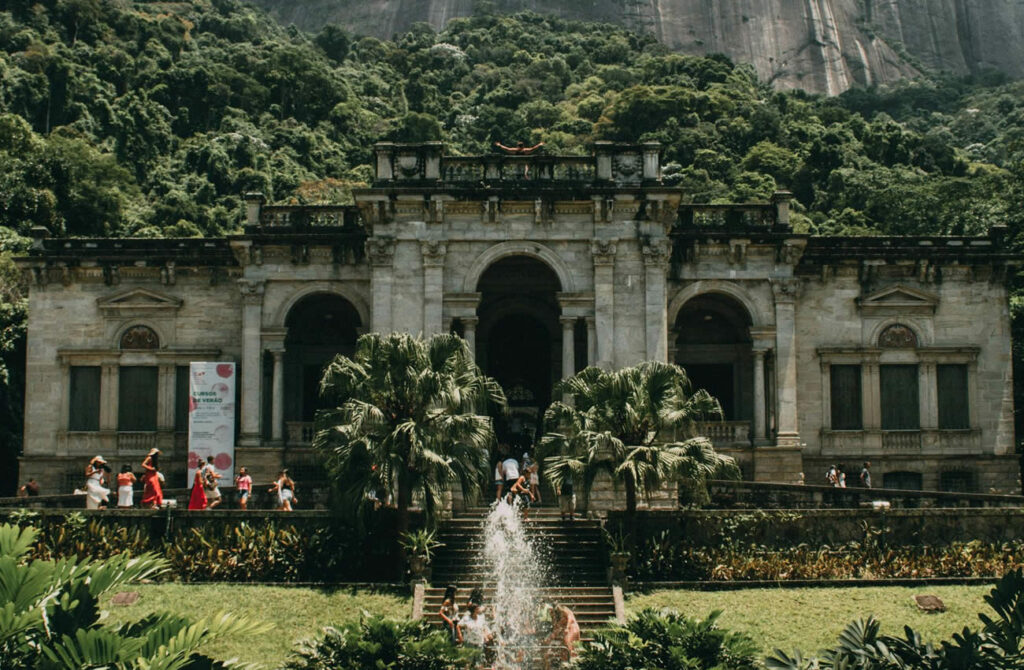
897,336
380,250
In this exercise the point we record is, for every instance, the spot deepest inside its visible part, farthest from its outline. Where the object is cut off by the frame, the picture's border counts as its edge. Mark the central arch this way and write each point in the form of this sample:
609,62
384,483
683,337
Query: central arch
519,339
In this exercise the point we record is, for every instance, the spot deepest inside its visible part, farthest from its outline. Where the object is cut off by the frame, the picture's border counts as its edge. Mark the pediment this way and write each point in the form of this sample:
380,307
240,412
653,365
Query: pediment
897,300
138,300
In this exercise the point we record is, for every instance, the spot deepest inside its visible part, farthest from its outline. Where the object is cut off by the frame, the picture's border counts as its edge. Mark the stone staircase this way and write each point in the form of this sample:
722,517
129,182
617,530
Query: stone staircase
573,551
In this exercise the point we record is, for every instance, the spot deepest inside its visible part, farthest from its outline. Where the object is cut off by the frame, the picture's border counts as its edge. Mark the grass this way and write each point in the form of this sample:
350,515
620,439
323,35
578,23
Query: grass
297,613
812,618
805,618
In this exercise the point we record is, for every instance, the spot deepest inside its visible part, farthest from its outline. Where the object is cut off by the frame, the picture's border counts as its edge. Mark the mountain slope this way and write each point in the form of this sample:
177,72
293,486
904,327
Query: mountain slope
821,46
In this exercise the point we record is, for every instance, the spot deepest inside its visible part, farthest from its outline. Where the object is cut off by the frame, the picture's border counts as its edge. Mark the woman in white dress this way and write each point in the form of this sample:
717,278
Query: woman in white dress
96,495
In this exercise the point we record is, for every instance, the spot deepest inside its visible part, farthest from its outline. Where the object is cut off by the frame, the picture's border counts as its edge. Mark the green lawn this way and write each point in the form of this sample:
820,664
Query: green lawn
808,618
297,613
811,618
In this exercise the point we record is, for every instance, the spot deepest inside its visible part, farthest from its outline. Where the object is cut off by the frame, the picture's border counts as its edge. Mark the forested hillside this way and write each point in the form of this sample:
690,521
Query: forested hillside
152,118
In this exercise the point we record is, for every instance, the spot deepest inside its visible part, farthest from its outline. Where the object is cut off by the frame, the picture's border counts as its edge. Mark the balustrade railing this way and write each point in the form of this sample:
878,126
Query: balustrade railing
136,441
300,433
726,433
901,440
701,216
337,216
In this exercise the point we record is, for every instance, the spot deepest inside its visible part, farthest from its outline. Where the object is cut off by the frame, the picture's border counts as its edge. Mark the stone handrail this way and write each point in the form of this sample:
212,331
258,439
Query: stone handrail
273,216
725,433
737,217
773,495
300,433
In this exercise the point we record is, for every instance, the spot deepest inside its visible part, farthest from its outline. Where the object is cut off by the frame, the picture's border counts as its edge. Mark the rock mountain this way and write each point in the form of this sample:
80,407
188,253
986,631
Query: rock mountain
822,46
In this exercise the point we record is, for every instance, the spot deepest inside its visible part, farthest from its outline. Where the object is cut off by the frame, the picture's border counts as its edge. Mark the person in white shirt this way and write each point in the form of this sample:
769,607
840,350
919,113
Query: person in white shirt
510,471
475,632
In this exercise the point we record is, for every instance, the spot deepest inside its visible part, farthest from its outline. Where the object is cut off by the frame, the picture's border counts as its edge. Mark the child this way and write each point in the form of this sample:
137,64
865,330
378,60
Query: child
243,482
522,491
125,484
449,614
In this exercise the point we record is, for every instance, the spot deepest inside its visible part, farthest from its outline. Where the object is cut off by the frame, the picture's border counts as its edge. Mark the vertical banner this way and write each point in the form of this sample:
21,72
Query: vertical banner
211,419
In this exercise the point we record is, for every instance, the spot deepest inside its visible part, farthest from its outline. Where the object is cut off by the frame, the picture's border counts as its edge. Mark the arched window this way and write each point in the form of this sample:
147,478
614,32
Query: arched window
897,336
140,337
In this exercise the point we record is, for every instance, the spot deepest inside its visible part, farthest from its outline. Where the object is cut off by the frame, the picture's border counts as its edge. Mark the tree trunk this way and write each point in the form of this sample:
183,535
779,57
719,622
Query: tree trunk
404,501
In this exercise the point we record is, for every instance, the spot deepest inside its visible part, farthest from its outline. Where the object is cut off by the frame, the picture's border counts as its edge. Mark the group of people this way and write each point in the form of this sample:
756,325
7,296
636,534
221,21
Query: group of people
836,476
521,479
97,495
472,629
518,480
205,492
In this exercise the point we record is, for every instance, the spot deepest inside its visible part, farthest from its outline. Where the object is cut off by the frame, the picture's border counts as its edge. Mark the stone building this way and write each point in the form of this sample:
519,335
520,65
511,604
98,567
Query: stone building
821,350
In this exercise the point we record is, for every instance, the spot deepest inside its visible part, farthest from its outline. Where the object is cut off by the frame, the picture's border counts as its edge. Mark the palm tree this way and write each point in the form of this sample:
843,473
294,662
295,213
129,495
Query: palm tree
409,418
628,423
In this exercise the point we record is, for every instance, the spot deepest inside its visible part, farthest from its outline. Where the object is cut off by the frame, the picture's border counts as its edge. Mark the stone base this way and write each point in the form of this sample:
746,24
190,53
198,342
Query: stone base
263,463
781,464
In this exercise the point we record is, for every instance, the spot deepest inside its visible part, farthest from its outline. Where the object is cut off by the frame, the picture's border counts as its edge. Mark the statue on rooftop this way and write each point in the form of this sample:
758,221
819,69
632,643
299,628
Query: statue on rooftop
520,149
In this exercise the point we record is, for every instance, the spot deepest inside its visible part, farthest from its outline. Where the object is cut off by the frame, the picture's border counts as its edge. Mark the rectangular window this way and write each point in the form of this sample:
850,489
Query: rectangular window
84,407
846,397
901,409
137,396
181,392
954,407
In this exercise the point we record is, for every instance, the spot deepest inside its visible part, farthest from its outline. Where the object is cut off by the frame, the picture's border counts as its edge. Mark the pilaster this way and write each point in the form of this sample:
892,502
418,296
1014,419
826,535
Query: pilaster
603,252
433,286
786,292
250,377
381,252
656,257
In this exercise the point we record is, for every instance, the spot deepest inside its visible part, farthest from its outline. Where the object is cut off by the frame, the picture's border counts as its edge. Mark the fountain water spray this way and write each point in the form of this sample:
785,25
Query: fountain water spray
517,574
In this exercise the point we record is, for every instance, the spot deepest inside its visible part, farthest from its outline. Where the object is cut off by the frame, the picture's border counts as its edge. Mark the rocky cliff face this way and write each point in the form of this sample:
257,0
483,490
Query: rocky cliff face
823,46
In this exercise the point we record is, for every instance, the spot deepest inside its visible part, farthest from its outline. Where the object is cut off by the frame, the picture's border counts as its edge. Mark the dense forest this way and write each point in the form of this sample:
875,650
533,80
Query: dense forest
152,118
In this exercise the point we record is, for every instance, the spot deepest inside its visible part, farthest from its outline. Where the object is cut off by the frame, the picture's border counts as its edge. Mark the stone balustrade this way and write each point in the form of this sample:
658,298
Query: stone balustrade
726,433
141,442
300,433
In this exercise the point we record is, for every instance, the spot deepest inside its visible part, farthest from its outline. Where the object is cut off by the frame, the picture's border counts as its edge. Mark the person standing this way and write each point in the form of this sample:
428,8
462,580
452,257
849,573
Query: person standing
565,633
499,480
567,500
521,490
197,498
510,471
152,490
449,614
284,487
96,495
243,483
841,476
210,480
29,489
125,487
865,475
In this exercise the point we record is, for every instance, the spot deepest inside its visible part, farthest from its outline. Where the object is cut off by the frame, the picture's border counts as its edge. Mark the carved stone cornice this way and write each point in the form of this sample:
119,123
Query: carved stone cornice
381,251
251,290
786,290
603,251
657,253
434,252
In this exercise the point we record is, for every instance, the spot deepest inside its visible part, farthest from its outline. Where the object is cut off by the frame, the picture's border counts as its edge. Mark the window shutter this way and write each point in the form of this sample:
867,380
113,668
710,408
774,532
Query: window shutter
954,408
899,395
137,396
84,405
846,397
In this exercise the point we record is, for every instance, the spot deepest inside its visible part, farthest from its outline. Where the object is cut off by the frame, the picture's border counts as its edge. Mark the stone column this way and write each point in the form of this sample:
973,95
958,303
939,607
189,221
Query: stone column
604,301
165,397
433,286
568,346
591,341
786,292
252,354
469,324
871,401
277,413
656,256
381,252
110,382
927,394
760,436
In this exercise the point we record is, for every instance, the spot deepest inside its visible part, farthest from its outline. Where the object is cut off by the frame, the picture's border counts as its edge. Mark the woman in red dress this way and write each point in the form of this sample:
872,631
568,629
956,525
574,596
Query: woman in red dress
152,492
198,498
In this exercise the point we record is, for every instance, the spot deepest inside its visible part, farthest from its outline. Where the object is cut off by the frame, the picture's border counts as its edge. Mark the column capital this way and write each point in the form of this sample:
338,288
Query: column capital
603,251
786,290
469,321
759,354
434,252
252,291
381,251
657,253
591,321
568,322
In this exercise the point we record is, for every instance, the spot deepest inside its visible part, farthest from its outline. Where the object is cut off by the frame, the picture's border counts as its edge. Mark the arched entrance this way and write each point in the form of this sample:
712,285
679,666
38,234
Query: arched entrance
713,344
320,326
519,340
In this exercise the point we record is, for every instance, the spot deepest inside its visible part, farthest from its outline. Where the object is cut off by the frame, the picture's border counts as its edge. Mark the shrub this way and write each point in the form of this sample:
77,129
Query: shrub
377,642
997,646
666,639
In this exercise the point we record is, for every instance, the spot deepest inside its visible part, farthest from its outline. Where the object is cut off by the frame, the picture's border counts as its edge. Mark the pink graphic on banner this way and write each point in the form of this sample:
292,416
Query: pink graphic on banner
211,419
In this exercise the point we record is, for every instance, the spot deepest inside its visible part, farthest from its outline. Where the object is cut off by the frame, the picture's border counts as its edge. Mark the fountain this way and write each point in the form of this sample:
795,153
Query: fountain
518,572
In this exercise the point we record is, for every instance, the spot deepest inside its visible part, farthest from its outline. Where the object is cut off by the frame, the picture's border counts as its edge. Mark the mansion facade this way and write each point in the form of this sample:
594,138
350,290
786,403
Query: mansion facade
821,350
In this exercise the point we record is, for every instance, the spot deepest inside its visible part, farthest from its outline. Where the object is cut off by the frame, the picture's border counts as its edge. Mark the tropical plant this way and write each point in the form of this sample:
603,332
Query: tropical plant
421,543
627,423
997,646
409,416
376,642
50,617
666,639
